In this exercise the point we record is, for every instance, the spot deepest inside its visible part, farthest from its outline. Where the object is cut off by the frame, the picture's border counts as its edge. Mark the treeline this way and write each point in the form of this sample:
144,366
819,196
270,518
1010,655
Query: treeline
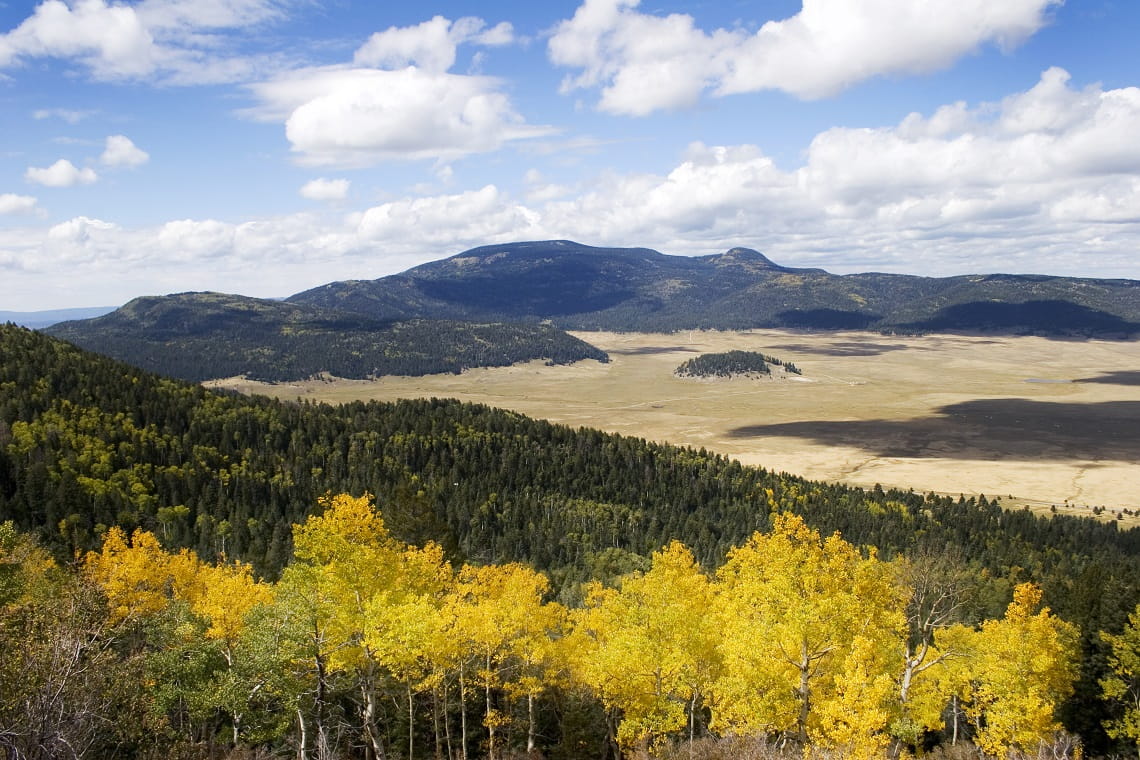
203,336
371,647
87,444
733,364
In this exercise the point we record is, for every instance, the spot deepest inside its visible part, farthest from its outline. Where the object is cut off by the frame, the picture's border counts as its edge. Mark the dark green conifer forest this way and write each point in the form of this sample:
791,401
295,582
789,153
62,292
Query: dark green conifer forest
733,364
90,446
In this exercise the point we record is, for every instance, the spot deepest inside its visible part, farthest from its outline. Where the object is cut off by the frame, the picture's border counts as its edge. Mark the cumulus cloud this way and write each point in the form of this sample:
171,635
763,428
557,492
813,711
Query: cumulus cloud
325,189
10,203
81,229
364,115
431,45
176,41
485,214
111,40
62,173
1046,180
644,62
398,100
121,151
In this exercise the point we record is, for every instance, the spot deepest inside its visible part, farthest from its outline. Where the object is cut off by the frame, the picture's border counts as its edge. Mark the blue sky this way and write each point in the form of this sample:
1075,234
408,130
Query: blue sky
267,146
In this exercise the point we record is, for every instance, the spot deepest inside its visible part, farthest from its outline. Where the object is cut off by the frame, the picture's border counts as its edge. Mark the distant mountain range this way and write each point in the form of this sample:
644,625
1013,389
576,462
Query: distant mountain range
502,304
39,319
581,287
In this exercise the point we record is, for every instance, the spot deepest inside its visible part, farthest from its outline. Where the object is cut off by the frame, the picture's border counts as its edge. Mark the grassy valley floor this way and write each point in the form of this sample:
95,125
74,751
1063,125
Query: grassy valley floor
1048,423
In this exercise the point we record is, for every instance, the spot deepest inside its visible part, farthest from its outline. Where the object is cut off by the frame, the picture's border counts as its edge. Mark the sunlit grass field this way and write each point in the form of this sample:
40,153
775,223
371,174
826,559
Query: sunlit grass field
1053,424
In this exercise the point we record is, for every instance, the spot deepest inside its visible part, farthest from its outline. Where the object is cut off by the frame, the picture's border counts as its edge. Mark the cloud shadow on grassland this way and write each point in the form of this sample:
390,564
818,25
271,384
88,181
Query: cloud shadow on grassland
984,429
648,350
842,348
1120,377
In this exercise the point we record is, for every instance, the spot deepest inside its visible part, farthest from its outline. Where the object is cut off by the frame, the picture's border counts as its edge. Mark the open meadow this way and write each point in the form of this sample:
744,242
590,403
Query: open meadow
1044,422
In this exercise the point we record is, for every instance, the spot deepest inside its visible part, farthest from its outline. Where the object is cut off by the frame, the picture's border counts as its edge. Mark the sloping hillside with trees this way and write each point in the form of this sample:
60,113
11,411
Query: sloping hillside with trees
372,647
582,287
91,449
203,336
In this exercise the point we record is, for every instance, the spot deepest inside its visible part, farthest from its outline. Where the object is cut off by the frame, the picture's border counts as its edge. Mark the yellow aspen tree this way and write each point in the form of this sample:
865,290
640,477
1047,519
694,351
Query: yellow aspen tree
344,557
223,595
862,694
1123,685
649,649
947,686
493,608
139,577
1024,668
304,609
939,588
810,630
404,625
536,656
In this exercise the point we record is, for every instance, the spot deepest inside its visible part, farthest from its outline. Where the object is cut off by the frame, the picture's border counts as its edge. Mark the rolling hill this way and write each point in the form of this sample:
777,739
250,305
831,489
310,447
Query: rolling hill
581,287
200,336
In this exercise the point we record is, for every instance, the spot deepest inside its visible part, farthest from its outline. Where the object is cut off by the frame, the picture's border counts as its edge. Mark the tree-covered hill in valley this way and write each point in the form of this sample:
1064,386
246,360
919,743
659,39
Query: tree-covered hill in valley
201,336
87,443
586,288
733,364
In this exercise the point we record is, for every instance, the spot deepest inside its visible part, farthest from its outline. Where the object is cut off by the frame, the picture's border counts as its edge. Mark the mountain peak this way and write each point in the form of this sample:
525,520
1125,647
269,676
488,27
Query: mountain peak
740,255
754,261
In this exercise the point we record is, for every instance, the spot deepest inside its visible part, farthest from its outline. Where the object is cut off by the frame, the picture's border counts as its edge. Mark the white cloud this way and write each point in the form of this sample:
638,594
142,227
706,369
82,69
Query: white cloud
832,44
325,189
111,40
485,214
173,41
1045,180
428,45
62,173
191,240
71,116
431,45
120,151
397,101
208,14
81,229
357,117
10,203
644,62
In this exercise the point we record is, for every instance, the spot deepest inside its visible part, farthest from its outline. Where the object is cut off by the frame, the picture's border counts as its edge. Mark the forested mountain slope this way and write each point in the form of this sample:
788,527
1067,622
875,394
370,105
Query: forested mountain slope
87,443
587,288
201,336
503,304
90,442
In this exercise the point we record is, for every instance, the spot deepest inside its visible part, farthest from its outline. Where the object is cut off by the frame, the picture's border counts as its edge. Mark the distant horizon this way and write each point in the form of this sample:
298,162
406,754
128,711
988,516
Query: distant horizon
16,315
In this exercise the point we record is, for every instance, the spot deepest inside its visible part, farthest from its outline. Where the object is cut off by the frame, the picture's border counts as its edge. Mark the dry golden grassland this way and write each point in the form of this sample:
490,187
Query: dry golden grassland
1049,423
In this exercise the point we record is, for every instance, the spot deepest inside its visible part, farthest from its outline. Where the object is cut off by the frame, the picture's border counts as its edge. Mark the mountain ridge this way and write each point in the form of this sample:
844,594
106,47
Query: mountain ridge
580,287
501,304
